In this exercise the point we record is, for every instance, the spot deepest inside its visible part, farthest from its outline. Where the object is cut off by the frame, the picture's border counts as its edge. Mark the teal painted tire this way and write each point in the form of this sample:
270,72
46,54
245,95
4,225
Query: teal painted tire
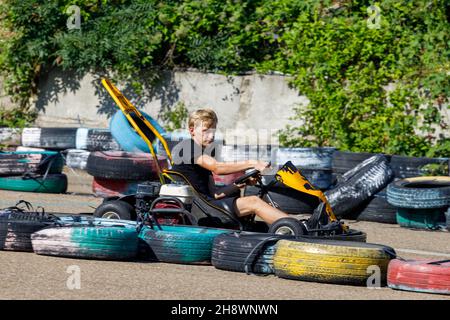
53,183
33,162
87,242
180,244
430,219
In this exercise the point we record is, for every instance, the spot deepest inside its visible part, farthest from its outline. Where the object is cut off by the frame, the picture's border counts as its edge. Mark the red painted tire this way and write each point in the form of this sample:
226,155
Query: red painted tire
123,165
227,179
113,187
420,275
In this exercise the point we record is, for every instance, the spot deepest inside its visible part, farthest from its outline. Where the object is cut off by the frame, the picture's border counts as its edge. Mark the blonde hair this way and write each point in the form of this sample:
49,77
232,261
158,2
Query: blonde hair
208,116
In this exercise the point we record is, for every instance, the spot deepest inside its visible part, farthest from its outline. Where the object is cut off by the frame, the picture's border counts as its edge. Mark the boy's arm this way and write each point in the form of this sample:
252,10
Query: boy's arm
218,167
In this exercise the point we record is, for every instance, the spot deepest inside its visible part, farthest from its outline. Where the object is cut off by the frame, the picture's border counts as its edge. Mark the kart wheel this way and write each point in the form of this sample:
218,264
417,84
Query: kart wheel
288,226
115,209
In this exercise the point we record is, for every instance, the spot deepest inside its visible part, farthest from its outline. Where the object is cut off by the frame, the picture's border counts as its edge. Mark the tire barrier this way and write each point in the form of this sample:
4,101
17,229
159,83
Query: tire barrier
113,187
31,137
50,138
402,166
305,157
419,276
245,252
125,135
10,136
77,159
431,219
420,192
359,184
378,210
117,242
350,235
51,183
345,161
409,167
30,162
123,165
338,262
96,140
17,225
180,244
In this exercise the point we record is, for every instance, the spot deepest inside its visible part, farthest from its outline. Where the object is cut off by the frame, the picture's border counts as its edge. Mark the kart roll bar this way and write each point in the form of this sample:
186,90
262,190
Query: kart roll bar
142,126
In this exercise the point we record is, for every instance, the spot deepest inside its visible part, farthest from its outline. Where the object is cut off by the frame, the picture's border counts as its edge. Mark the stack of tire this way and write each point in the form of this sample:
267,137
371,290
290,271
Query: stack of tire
376,207
314,163
74,143
318,260
118,173
421,202
32,171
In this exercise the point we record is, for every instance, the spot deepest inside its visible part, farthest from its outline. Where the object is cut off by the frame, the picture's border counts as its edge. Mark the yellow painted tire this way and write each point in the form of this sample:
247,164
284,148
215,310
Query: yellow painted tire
339,262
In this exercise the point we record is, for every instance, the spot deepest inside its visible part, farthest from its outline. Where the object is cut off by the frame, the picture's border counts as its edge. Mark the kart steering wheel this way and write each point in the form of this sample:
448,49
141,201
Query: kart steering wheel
251,174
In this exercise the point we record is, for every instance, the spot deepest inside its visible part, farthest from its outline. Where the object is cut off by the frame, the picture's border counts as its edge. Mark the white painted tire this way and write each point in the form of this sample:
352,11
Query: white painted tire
31,137
10,136
77,159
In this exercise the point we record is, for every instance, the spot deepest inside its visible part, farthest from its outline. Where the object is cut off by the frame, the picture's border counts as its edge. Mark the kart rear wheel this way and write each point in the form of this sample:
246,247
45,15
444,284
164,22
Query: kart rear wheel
115,209
288,226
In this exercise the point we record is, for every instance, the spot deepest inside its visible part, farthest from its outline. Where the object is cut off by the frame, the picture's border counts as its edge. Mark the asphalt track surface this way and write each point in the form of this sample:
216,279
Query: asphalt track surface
30,276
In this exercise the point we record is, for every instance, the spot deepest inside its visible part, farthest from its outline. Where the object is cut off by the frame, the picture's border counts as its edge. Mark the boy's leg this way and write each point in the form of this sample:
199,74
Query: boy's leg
255,205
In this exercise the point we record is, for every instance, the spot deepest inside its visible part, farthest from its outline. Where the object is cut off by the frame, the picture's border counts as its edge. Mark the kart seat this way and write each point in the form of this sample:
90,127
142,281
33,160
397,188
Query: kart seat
202,207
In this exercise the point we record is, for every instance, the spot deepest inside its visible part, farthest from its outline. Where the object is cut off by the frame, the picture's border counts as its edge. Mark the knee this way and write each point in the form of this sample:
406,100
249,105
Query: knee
253,201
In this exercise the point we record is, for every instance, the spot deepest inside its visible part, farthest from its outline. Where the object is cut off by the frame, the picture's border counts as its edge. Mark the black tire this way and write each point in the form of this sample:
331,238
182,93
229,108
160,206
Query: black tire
420,193
96,140
344,161
447,219
370,177
16,229
288,226
245,252
288,200
123,165
58,138
377,209
409,167
115,209
350,235
77,159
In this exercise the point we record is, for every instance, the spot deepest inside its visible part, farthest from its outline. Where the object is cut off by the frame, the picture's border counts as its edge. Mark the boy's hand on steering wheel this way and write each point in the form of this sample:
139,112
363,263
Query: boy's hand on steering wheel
261,165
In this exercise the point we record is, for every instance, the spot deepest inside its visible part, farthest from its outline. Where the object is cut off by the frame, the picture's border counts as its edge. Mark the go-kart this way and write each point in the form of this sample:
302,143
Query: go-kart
173,200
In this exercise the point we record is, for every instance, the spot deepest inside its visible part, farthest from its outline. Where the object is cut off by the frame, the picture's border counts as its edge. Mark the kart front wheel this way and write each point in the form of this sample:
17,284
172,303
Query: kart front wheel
288,226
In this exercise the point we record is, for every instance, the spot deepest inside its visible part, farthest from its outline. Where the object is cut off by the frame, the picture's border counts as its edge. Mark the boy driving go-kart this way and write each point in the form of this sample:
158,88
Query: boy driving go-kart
198,167
186,193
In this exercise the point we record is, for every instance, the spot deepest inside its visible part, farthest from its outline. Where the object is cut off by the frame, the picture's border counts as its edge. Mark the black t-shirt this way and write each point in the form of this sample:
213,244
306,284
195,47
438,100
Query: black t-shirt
184,155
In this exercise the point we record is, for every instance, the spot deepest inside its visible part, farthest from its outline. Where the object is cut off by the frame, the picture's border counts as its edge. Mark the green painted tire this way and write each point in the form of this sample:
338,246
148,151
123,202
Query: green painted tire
87,242
180,244
431,219
54,183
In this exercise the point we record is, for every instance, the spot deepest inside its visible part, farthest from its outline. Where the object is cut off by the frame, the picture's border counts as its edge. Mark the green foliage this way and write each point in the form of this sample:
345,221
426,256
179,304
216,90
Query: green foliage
175,118
16,118
334,58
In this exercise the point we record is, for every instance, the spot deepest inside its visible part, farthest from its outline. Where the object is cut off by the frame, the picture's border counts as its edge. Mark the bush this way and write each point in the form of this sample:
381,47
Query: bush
335,59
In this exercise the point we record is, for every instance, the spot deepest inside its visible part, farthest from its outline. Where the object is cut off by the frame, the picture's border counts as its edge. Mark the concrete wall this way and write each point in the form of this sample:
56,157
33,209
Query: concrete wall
5,101
241,102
